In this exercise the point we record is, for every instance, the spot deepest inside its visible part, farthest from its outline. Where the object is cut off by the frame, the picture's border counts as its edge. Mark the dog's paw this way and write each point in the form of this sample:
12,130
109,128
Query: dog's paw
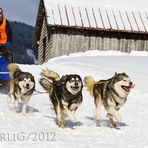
9,99
98,119
118,117
16,104
113,125
61,124
73,118
24,110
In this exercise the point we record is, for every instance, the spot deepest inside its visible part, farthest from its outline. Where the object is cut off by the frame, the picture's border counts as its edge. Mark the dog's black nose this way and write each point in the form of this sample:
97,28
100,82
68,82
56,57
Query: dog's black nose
76,83
27,85
131,83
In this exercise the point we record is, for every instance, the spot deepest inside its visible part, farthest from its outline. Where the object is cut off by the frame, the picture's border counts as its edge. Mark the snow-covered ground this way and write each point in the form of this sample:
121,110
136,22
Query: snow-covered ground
38,128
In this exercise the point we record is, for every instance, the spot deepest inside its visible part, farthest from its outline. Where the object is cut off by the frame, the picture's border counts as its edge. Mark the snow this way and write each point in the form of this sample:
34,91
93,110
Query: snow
30,53
116,4
40,119
126,17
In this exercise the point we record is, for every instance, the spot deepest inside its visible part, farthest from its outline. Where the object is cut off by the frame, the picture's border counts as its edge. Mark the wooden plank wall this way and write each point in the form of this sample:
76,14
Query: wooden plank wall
64,44
48,45
70,41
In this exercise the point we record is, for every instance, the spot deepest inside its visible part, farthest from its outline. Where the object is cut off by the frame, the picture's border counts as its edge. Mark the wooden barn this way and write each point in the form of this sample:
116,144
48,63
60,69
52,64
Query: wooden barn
63,29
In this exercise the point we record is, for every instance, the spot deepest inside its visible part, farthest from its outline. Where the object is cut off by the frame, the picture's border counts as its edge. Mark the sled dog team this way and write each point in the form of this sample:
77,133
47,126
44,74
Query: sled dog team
65,92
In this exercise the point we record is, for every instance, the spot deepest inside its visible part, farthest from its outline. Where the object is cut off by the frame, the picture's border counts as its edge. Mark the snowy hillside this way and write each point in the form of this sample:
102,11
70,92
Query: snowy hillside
38,128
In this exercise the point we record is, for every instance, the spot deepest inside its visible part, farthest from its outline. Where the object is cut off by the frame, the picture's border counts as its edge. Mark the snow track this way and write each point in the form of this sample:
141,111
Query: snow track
40,121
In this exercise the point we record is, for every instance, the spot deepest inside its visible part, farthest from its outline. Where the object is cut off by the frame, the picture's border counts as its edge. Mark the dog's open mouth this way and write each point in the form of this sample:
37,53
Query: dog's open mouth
75,88
127,88
26,87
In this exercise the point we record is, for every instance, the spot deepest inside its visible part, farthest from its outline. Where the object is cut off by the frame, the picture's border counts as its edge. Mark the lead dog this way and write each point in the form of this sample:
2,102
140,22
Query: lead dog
65,94
111,93
21,86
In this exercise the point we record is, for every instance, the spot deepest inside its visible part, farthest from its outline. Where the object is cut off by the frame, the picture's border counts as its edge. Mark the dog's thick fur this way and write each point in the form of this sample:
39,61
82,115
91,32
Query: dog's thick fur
21,86
65,94
111,93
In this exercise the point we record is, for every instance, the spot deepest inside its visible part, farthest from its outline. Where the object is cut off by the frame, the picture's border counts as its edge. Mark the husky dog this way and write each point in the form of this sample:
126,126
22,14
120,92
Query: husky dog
22,85
65,94
112,93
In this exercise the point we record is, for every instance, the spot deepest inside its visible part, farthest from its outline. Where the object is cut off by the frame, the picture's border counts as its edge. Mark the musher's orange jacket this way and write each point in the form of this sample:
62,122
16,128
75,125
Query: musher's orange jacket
5,32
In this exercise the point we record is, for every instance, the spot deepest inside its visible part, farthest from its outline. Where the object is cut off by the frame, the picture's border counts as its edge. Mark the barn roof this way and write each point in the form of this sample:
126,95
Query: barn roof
96,17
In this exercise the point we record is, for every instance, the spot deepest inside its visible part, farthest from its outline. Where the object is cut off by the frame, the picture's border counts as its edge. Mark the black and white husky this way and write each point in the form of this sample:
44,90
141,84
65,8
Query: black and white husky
21,86
111,93
65,94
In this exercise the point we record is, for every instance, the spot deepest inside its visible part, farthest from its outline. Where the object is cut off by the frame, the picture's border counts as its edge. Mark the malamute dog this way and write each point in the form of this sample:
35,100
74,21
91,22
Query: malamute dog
65,94
112,93
21,86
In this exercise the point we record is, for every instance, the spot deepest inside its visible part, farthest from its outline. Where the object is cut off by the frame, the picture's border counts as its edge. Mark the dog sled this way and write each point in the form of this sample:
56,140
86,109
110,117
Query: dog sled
5,58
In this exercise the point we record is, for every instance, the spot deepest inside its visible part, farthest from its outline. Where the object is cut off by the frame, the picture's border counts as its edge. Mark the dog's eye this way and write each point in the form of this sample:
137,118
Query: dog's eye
124,80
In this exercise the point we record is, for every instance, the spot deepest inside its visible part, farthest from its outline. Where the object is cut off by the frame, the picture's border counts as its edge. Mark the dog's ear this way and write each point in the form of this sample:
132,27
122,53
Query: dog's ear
64,79
80,79
124,73
32,78
116,74
16,74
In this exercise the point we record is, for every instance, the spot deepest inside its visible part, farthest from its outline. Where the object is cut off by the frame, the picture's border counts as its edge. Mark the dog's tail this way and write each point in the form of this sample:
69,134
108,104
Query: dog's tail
50,75
47,85
89,83
12,68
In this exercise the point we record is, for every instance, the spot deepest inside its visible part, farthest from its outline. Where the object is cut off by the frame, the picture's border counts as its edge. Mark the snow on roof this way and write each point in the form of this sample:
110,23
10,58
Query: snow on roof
96,17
